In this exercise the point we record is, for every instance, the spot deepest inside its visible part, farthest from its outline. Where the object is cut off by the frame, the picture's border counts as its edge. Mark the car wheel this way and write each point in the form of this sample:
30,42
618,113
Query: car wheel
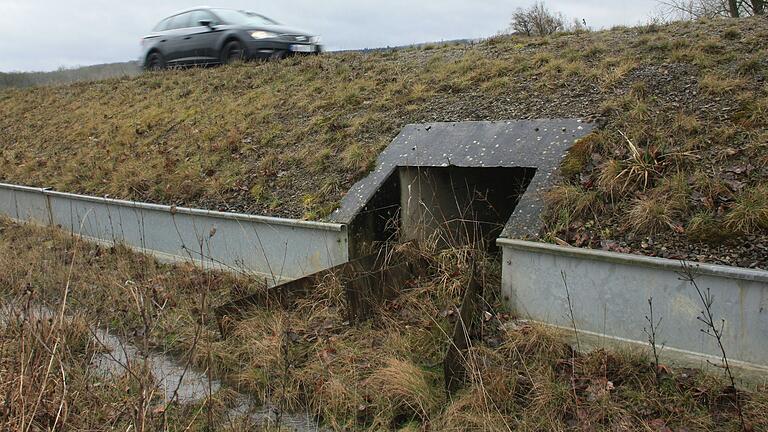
155,62
233,52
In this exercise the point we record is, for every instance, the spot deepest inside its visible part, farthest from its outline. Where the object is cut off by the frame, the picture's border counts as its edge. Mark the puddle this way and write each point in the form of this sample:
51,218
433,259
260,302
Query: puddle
189,384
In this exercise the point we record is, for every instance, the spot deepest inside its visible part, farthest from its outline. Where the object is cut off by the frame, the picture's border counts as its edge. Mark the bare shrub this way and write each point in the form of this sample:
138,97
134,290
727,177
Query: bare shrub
537,20
697,9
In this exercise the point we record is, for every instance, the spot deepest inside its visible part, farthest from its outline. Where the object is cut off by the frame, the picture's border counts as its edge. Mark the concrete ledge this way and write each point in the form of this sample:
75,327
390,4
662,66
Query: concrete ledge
748,373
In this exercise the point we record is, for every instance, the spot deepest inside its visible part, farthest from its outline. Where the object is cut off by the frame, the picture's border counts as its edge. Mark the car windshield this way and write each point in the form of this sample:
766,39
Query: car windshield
234,17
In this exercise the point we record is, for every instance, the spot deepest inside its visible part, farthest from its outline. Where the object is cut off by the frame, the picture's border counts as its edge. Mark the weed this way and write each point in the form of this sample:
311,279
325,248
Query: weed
716,84
571,201
749,214
641,167
714,330
649,215
751,66
404,386
650,331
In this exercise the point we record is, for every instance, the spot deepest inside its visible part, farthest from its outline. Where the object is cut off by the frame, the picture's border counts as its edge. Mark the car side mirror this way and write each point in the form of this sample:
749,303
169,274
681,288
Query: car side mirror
206,23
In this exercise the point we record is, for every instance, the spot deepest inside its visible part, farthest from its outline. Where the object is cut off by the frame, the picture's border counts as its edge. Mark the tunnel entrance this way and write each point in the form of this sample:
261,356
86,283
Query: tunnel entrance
455,206
448,206
435,178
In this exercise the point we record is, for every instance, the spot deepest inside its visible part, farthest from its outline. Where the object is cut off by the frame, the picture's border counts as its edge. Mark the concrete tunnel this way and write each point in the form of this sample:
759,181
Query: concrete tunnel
459,183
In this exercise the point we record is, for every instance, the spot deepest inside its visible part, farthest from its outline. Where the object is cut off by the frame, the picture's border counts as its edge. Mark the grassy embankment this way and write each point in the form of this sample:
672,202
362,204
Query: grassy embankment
682,156
382,374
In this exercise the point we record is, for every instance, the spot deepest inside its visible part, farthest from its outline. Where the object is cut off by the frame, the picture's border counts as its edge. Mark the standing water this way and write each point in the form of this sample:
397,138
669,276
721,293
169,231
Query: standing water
178,381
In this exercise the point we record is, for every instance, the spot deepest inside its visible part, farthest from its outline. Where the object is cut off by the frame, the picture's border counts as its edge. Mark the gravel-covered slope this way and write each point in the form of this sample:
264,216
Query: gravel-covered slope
679,167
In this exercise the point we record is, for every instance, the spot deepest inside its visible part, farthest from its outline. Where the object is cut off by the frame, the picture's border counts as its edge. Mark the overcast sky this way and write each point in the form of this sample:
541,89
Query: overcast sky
47,34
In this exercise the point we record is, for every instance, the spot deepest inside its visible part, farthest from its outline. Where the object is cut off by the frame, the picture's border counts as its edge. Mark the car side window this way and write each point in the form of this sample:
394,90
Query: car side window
162,26
170,23
182,21
201,15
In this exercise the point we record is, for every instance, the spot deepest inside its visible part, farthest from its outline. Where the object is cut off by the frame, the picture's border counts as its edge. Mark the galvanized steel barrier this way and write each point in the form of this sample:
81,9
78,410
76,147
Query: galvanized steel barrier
609,293
274,248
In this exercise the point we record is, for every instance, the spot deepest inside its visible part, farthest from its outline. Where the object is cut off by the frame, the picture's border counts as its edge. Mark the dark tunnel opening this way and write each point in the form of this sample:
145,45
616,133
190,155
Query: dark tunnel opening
450,205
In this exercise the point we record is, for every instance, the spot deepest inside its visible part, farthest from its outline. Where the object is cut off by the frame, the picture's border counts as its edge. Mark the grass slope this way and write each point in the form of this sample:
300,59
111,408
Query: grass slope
385,374
69,75
681,156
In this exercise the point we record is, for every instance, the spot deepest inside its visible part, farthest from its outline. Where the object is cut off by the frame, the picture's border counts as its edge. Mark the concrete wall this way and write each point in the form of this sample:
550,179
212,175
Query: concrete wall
426,203
276,249
610,291
463,205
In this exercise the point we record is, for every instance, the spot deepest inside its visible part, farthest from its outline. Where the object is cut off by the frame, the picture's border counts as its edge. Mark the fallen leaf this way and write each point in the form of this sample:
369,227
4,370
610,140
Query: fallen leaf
160,409
659,425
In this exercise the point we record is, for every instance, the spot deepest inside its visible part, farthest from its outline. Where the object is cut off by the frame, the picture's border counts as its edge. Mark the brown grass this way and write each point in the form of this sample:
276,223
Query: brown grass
648,215
384,374
749,214
404,385
569,202
289,138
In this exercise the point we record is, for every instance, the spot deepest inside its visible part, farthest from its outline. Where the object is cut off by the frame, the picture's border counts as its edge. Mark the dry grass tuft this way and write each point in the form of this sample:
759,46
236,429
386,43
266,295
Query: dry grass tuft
705,226
641,166
715,84
662,206
468,412
608,178
749,214
403,385
568,202
649,215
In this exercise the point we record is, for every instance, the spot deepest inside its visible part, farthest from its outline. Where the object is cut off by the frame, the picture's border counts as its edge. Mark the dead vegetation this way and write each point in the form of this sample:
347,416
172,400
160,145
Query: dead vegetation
384,373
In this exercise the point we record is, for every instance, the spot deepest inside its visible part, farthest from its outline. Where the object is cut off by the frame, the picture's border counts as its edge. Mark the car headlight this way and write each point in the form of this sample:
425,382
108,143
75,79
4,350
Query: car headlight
315,39
261,34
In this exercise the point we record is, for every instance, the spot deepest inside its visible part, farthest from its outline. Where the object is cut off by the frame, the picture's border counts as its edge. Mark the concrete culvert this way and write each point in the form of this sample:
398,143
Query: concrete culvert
458,183
459,205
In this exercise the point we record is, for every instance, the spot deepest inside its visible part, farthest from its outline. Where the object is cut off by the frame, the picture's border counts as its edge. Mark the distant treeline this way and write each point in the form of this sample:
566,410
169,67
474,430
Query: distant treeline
69,75
423,45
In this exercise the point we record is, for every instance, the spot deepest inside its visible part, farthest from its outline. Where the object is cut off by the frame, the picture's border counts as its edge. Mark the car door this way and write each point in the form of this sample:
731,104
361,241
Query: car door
201,41
174,41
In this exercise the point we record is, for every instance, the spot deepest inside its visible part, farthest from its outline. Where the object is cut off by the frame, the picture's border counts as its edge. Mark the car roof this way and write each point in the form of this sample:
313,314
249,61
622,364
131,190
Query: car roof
189,10
197,8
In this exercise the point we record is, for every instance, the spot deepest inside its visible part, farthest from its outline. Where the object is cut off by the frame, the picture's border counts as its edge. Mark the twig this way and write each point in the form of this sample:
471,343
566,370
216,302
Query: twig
713,330
651,332
570,310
